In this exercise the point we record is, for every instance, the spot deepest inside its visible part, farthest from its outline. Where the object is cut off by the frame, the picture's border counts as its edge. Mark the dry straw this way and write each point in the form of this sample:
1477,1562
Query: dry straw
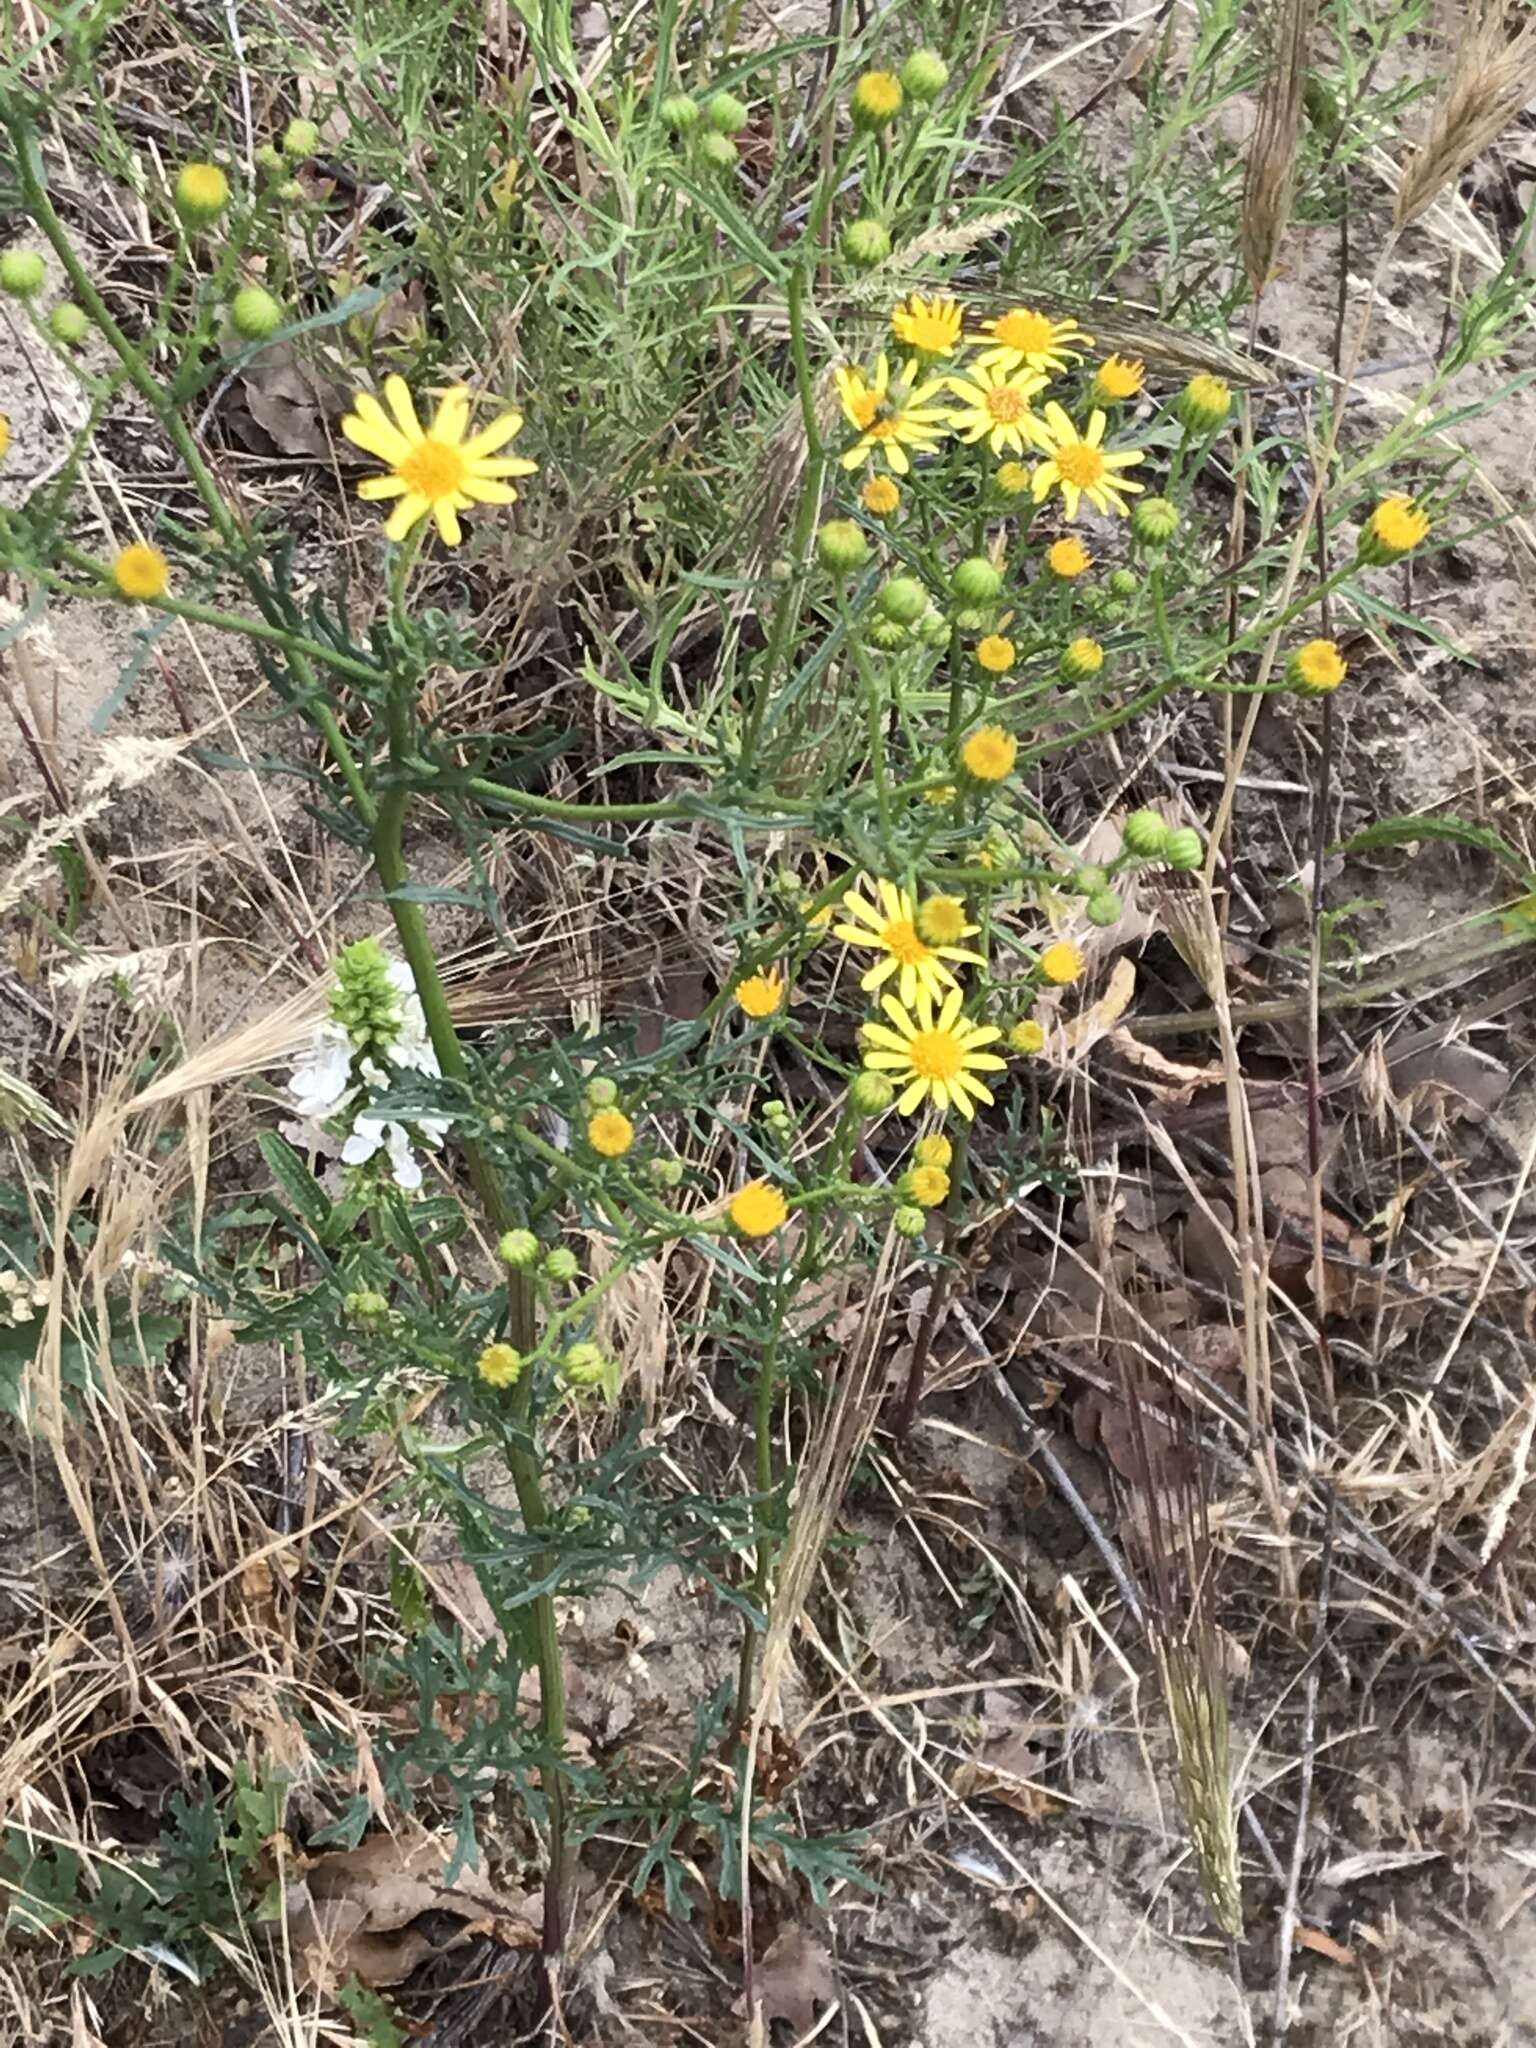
1269,185
1485,92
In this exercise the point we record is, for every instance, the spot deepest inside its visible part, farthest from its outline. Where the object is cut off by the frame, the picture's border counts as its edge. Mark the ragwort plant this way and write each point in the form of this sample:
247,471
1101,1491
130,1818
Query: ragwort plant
983,540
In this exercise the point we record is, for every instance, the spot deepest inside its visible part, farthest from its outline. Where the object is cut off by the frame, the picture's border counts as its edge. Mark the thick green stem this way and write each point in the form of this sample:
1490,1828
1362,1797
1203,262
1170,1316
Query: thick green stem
416,944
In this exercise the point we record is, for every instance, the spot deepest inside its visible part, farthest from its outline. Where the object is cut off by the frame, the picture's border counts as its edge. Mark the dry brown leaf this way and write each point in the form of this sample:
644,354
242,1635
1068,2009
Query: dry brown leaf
794,1977
1172,1082
1324,1945
1003,1770
1103,1014
354,1910
278,405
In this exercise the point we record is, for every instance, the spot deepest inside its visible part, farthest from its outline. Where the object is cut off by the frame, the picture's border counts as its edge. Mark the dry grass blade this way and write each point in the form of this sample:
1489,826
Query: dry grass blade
1485,92
1269,182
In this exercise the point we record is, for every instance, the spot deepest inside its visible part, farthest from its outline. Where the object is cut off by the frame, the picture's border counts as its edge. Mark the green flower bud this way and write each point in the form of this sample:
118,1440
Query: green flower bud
1154,522
1104,907
933,630
975,581
971,620
584,1366
924,76
21,273
518,1249
365,1001
865,243
1184,851
718,151
1202,406
904,599
560,1265
255,313
269,158
1089,880
842,547
290,191
1124,583
909,1221
725,113
201,193
300,138
1082,659
1145,835
887,635
366,1307
870,1093
666,1173
681,113
601,1093
69,323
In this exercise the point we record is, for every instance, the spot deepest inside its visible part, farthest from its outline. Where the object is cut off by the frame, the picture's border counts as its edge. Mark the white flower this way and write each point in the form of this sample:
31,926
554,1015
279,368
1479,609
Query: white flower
322,1083
368,1134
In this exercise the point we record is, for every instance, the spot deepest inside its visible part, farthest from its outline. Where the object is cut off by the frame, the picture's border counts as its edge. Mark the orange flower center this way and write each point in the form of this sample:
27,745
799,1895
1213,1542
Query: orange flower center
902,939
1006,404
936,1055
1079,464
433,469
864,408
1031,332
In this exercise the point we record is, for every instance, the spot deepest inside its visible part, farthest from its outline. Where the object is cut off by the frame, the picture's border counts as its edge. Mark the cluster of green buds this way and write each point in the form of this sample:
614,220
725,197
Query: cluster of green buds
709,129
522,1252
365,1001
778,1120
904,616
1147,836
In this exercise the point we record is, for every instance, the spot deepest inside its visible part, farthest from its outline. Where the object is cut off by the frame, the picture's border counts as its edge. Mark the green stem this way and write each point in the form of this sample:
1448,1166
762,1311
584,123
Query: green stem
762,1573
1160,614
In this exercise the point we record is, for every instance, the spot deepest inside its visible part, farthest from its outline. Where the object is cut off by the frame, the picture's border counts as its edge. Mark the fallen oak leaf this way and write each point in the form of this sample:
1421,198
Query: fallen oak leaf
793,1978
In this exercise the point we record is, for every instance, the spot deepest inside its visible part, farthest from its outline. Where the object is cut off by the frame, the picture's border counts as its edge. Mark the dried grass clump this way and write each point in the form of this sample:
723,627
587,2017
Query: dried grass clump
1269,184
1485,92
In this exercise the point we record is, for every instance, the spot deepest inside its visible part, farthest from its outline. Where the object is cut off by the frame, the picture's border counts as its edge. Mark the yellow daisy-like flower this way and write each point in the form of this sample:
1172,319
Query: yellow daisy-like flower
932,327
989,753
1079,466
610,1132
760,994
890,417
995,654
201,192
926,1185
998,408
942,920
890,925
1395,528
941,793
1026,1036
933,1056
1317,668
1067,558
140,572
5,436
1116,379
1025,339
758,1209
1062,963
881,496
499,1365
436,469
933,1150
1012,479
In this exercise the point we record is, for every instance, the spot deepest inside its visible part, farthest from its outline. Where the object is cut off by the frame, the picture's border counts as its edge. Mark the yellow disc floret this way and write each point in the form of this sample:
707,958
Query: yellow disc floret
141,572
758,1209
989,753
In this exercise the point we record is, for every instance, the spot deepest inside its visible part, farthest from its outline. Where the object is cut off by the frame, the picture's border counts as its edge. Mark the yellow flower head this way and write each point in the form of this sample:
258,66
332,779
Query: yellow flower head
925,1185
5,435
1067,558
932,327
758,1209
1081,658
881,496
1080,468
202,192
940,793
610,1132
889,925
890,417
1025,339
499,1365
1204,403
760,994
436,470
1062,963
1012,479
141,572
1395,528
995,653
933,1150
877,98
998,408
989,753
1026,1036
933,1056
942,920
1116,379
1317,668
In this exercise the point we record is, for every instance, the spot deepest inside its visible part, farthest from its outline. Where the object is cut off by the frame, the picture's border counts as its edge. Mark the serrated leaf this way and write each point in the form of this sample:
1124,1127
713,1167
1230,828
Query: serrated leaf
310,1201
